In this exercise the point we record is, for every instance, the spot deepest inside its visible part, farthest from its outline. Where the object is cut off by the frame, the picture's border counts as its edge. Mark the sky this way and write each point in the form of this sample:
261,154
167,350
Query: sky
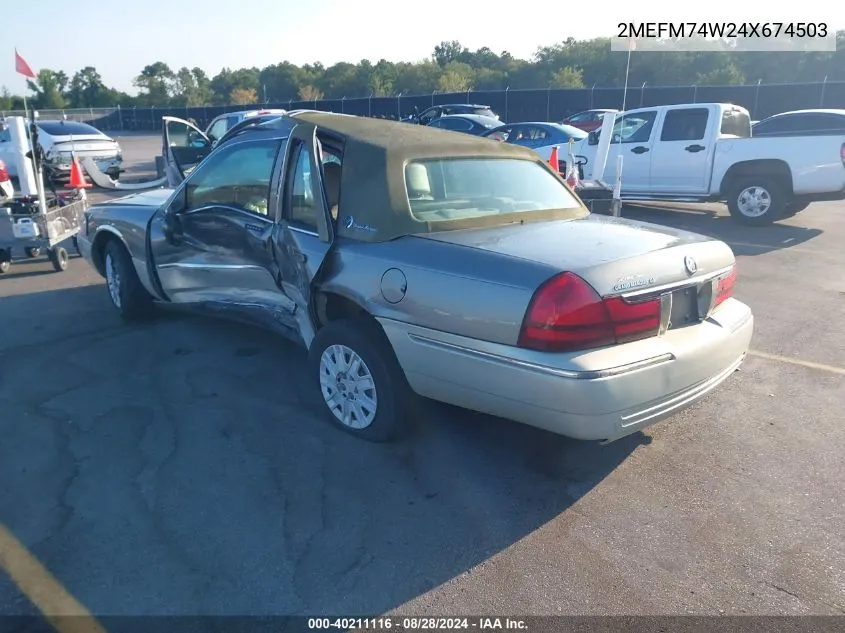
120,38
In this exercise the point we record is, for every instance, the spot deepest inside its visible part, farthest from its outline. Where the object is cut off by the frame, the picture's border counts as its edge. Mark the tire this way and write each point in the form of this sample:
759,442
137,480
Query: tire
58,257
76,245
5,260
770,200
390,393
32,251
125,290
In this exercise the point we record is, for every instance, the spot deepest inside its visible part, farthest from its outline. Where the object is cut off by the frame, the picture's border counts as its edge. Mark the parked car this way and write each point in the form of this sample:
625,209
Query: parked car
705,152
541,137
467,123
221,124
588,120
413,262
801,123
434,112
6,189
58,139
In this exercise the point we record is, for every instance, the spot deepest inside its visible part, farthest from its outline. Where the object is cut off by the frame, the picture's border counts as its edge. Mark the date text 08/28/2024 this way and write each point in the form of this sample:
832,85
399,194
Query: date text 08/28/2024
401,624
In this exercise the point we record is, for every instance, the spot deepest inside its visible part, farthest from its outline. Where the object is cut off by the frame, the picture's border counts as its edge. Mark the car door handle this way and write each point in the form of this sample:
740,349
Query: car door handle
640,150
695,148
300,257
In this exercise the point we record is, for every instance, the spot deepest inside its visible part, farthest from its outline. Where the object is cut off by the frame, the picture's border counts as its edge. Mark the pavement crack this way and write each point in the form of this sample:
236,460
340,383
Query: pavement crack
782,589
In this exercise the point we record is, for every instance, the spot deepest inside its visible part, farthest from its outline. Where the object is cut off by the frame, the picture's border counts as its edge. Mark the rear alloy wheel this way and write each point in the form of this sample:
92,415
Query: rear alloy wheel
363,388
5,260
126,292
32,251
756,201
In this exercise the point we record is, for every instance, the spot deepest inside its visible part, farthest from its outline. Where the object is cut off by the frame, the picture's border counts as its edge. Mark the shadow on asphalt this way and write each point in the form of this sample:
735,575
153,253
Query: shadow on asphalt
186,465
744,240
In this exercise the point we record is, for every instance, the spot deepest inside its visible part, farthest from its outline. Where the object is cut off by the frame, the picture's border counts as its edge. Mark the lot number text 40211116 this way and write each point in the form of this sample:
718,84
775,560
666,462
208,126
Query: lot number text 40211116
400,624
713,30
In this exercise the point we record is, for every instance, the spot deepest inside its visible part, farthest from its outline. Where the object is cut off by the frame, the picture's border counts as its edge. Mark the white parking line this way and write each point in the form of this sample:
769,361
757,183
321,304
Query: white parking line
802,363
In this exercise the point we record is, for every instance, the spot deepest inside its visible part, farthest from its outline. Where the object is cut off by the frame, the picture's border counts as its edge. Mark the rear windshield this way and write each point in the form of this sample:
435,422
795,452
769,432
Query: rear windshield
444,190
736,123
66,128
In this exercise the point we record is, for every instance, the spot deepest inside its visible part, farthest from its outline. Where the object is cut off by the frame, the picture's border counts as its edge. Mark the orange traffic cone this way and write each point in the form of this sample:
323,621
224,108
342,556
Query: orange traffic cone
77,178
554,159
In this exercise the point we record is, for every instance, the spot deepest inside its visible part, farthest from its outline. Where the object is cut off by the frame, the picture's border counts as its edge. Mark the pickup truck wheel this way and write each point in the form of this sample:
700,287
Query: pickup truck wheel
756,201
32,251
126,292
362,385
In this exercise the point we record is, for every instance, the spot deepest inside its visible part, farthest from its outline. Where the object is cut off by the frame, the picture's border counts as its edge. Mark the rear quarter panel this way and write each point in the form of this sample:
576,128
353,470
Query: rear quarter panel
450,288
814,161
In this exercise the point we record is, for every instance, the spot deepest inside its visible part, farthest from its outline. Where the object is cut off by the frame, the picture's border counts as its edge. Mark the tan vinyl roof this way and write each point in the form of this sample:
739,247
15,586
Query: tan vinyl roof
374,203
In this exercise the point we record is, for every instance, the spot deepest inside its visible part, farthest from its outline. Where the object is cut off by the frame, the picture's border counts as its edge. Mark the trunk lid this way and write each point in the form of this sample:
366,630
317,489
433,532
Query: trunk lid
85,145
613,255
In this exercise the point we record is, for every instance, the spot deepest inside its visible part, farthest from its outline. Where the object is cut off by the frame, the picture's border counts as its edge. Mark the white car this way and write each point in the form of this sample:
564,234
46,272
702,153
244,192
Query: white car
58,139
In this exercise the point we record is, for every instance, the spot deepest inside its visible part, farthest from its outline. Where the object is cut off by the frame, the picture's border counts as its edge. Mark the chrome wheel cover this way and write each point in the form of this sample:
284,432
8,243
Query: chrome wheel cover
348,388
753,202
113,281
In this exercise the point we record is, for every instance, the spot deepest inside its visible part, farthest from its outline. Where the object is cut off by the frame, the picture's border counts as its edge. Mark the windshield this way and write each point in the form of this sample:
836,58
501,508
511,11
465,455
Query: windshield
443,190
68,128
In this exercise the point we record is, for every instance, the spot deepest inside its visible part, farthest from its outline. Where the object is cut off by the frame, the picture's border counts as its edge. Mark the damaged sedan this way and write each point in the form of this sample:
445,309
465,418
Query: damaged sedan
415,262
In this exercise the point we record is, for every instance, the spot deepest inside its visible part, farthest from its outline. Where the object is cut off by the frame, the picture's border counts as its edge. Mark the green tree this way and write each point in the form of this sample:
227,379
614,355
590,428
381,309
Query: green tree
567,77
456,77
447,52
87,89
49,88
155,80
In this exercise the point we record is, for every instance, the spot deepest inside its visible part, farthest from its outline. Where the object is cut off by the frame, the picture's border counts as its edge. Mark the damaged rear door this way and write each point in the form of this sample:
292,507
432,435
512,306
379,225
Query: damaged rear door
306,231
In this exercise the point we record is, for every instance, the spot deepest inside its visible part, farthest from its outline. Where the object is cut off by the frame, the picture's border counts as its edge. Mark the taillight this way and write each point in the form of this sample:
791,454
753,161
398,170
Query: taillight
842,153
567,314
724,287
4,173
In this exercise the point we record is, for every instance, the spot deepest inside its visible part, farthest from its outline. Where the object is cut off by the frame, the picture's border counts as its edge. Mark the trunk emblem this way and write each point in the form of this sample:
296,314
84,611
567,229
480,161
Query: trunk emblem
631,282
690,265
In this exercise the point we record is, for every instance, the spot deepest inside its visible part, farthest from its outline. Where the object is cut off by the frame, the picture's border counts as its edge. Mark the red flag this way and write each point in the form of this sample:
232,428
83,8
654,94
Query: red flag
22,67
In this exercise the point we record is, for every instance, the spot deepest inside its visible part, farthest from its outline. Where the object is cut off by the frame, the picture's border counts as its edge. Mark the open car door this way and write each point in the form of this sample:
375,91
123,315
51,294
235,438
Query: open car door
306,231
183,147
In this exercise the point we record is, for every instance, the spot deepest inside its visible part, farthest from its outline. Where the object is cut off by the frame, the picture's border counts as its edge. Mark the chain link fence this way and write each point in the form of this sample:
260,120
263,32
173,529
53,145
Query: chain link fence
513,106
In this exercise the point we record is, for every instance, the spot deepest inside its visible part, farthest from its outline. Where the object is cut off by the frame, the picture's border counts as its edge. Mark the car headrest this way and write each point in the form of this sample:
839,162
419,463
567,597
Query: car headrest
419,186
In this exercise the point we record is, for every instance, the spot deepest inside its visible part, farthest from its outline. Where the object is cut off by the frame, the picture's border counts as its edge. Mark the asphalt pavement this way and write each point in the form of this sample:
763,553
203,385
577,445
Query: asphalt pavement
181,467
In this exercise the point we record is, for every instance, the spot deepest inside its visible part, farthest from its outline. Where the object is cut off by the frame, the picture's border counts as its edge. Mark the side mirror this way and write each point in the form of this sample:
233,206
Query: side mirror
593,138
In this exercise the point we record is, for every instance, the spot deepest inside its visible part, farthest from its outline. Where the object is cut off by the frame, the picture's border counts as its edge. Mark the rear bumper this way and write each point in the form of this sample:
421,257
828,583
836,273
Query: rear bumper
597,395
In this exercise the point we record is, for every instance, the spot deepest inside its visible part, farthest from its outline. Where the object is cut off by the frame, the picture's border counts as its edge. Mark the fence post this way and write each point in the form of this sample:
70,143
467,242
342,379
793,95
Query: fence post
549,103
592,90
642,93
694,93
507,89
342,101
468,91
370,105
824,85
433,92
399,105
153,118
756,97
119,118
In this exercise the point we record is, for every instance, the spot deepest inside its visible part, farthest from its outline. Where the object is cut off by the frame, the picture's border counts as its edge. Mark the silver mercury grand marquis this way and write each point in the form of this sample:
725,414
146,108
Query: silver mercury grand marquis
417,262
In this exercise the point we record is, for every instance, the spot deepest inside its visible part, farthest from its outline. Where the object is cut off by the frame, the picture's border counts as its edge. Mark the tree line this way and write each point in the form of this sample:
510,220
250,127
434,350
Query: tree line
451,68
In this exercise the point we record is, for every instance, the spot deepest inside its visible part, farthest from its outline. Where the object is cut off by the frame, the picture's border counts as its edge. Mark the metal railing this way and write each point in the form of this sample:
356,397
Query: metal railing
549,104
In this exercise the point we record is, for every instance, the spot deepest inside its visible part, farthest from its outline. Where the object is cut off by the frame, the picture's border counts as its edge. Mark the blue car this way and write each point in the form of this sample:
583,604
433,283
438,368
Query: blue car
535,135
468,123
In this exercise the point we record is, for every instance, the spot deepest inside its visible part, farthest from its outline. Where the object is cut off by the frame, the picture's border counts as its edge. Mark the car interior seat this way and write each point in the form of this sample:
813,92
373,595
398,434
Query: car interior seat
331,180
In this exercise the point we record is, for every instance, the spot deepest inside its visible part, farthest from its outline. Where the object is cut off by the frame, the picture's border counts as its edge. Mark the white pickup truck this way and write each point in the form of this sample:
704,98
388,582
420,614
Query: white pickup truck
704,152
